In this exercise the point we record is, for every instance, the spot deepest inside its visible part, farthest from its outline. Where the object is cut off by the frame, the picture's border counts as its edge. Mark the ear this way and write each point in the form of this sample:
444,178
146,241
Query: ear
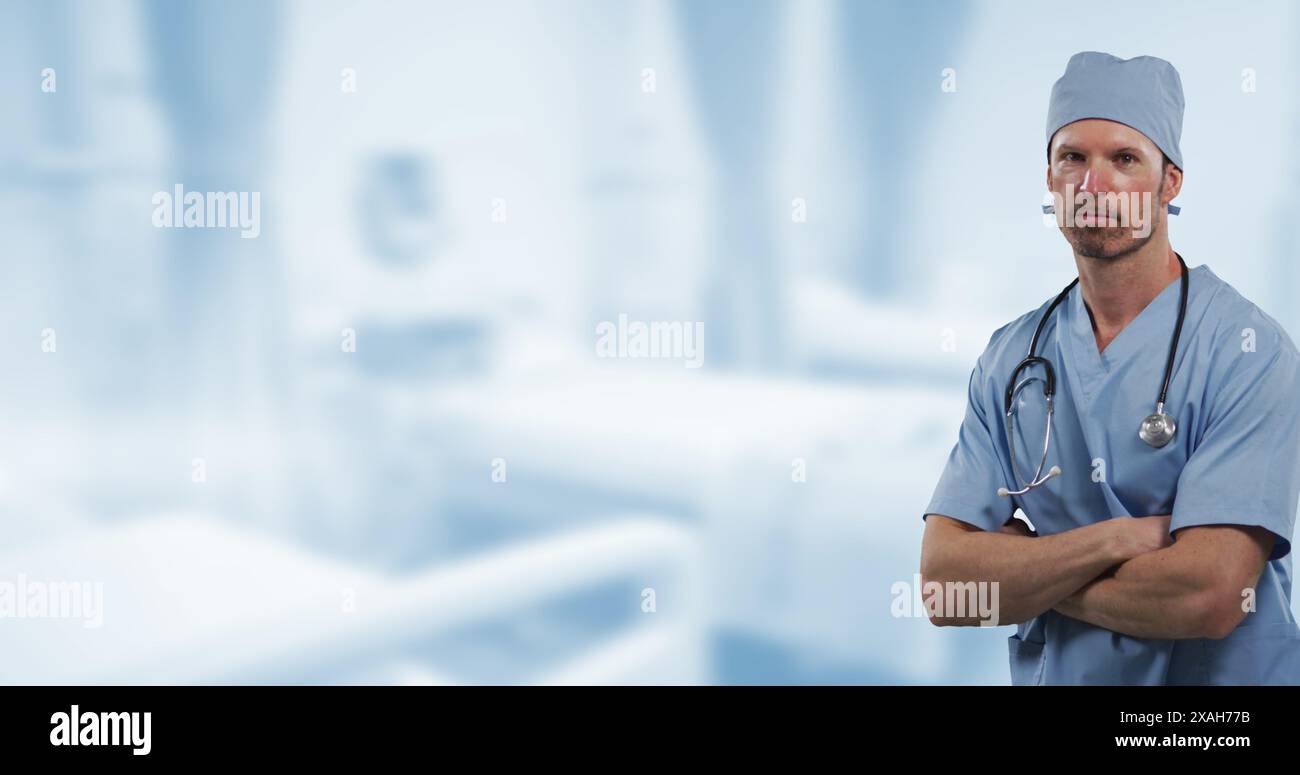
1172,183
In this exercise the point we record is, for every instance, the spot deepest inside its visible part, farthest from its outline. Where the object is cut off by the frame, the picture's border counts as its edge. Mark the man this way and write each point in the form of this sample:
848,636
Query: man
1152,558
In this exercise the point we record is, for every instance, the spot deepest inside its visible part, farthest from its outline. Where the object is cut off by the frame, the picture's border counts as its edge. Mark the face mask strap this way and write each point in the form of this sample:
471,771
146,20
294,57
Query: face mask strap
1173,209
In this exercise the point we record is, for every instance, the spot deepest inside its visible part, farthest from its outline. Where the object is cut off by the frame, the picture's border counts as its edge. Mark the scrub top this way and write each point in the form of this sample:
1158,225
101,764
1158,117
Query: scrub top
1235,459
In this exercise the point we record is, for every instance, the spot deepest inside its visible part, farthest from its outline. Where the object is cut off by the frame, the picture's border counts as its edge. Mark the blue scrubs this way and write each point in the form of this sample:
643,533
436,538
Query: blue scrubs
1235,393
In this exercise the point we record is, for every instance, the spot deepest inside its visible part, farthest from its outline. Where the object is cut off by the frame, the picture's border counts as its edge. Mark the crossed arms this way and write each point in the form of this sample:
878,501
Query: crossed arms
1128,575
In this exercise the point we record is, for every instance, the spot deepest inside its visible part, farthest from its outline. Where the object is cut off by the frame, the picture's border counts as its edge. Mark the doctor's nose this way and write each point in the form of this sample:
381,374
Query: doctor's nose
1095,181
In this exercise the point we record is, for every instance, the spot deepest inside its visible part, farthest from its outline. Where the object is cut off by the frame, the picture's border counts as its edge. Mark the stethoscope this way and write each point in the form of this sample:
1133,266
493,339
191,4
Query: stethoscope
1157,428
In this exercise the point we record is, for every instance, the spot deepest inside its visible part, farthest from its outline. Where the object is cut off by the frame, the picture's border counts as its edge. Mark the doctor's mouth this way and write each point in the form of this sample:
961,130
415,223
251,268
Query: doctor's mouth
1101,210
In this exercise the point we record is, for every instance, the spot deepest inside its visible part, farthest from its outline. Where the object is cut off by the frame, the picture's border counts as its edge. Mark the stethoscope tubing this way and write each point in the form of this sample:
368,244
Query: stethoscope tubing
1049,383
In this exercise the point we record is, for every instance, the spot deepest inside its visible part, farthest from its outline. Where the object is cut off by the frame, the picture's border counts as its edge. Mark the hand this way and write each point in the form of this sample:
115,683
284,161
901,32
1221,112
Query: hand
1138,535
1017,527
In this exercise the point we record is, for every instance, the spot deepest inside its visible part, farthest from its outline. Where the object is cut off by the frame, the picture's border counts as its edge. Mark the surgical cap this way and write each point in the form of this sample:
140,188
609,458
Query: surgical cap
1143,92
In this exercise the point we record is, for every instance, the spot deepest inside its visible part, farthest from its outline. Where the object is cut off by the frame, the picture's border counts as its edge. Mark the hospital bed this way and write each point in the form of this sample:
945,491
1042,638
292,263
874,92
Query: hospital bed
192,600
807,566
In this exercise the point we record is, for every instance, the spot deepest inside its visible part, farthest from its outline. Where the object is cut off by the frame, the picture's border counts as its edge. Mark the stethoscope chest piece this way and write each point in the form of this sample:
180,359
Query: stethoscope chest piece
1157,428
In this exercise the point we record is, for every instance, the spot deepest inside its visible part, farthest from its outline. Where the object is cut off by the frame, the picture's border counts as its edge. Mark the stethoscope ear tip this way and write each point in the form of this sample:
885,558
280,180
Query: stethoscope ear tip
1054,471
1003,492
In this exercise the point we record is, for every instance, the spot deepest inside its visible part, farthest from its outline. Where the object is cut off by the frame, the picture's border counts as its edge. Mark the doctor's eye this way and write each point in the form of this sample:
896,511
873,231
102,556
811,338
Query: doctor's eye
1126,158
1071,156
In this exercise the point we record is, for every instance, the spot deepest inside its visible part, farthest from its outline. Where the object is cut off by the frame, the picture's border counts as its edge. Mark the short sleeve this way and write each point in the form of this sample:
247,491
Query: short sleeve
967,488
1245,469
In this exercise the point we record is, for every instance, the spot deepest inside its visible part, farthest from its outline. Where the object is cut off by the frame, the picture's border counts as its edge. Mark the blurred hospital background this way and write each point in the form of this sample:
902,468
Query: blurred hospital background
387,441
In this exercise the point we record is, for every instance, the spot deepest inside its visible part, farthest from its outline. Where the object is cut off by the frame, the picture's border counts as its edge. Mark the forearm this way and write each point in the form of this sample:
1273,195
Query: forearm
1032,574
1154,595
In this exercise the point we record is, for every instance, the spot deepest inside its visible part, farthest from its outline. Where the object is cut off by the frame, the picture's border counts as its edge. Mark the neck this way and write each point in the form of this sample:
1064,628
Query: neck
1117,289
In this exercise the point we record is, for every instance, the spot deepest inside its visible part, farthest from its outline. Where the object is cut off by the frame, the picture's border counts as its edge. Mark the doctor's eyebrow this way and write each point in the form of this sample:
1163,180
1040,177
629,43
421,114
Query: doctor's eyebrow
1134,152
1063,149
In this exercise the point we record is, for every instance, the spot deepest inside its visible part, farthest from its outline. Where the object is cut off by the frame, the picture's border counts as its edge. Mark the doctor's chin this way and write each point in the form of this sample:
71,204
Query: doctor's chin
644,342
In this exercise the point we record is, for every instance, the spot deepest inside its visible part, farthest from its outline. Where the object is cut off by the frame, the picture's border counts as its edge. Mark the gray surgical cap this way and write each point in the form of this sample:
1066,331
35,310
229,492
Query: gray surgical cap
1143,92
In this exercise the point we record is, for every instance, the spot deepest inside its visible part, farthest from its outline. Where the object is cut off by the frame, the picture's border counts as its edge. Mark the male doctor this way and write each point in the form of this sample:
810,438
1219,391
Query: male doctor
1160,552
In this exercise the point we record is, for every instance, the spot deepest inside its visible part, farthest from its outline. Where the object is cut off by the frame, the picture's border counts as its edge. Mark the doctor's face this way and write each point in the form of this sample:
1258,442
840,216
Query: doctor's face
1109,179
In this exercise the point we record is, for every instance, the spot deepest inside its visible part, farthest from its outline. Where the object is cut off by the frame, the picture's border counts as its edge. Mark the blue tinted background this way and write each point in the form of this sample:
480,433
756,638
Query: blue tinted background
467,191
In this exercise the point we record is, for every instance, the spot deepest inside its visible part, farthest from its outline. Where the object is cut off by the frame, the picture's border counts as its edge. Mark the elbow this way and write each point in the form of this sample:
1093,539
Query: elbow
1215,614
932,599
931,613
929,570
